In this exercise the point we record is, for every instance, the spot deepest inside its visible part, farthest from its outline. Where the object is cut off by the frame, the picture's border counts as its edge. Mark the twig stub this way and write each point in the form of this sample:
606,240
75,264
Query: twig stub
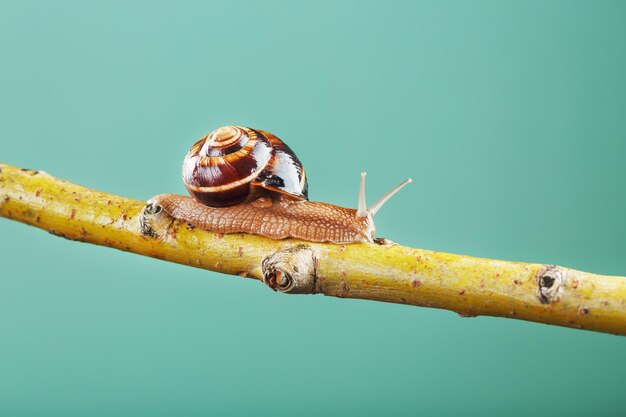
291,270
153,221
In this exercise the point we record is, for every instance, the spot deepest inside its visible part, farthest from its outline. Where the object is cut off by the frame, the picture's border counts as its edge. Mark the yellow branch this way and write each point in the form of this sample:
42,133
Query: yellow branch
380,271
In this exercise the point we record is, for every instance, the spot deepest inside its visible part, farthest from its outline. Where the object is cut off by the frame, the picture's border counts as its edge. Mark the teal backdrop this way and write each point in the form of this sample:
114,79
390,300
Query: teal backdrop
509,115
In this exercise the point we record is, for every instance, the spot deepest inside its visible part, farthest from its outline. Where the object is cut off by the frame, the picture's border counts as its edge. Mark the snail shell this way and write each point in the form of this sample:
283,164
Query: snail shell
227,166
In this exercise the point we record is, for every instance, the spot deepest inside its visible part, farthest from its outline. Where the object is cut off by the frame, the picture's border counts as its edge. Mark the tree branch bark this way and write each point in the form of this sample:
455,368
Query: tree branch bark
381,271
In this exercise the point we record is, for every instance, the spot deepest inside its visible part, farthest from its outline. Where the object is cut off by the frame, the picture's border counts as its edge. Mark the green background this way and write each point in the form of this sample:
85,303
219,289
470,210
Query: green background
510,117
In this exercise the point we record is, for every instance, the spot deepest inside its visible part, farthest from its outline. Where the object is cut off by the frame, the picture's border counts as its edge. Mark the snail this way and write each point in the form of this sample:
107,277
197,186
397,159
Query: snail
243,180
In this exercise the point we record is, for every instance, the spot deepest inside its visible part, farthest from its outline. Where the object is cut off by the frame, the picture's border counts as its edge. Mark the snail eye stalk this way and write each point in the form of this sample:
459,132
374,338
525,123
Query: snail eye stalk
373,209
363,210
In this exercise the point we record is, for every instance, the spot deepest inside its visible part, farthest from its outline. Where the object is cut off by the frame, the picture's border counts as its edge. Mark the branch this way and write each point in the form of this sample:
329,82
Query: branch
381,271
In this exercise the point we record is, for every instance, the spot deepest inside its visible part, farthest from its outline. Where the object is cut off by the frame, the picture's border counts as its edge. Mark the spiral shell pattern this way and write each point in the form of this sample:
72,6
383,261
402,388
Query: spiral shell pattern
221,168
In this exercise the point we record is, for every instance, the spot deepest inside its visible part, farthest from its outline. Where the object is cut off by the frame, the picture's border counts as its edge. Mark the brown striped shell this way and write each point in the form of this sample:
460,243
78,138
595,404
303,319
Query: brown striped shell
224,167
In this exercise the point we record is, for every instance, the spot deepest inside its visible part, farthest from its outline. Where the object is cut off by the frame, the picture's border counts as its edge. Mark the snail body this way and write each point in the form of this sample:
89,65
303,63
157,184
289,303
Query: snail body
243,180
278,219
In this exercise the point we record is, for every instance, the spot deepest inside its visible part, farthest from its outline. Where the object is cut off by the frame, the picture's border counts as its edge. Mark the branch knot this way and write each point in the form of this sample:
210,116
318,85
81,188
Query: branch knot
291,270
550,283
154,221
